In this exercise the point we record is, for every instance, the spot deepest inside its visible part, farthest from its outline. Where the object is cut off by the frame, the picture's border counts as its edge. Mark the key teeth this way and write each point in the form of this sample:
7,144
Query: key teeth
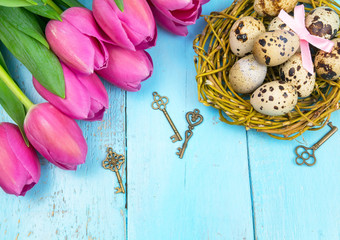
119,190
179,151
174,138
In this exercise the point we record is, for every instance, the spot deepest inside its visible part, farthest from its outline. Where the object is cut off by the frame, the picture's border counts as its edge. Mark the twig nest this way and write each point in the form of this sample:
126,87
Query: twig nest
274,107
327,65
274,98
273,7
243,34
275,48
293,72
323,22
247,75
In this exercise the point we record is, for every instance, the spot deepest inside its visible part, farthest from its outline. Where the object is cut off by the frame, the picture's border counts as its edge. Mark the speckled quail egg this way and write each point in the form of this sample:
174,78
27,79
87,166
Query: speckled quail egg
323,22
273,7
278,24
247,75
327,65
243,34
275,48
293,72
274,98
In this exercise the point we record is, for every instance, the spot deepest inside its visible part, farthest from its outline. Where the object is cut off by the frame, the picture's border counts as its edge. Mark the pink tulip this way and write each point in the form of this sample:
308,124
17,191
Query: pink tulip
78,41
127,69
55,136
19,164
176,15
133,29
86,97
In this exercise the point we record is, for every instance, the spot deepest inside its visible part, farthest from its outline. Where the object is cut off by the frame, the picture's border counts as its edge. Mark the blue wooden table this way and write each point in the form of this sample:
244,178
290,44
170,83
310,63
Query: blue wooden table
231,184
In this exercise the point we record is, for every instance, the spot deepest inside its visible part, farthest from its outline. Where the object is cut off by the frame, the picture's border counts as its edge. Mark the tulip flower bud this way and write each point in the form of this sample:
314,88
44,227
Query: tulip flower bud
86,97
176,15
55,136
133,29
19,164
78,41
127,69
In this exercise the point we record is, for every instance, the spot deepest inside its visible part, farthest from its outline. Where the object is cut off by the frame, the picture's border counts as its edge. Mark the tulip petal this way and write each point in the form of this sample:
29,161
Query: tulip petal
132,29
22,152
83,20
175,15
19,164
110,23
98,96
173,4
57,137
204,1
65,40
85,95
101,56
76,103
137,19
183,16
169,25
127,69
96,89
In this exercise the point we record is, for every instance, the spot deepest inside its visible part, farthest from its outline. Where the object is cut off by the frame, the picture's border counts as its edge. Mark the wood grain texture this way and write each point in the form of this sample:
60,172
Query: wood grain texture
291,201
225,176
71,205
205,195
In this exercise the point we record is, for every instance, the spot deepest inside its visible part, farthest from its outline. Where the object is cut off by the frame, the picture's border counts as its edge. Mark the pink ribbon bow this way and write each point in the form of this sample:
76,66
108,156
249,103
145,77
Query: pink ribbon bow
297,24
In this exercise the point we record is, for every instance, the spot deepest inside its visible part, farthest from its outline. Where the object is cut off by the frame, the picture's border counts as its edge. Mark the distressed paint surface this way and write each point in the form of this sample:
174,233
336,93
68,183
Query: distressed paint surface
68,205
205,195
231,184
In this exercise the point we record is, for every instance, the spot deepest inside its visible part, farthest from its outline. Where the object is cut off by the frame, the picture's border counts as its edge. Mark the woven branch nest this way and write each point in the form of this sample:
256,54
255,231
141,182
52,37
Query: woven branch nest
214,60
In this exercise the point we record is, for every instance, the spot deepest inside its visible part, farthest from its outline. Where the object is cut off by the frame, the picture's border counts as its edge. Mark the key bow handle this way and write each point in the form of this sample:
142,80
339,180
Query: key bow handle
159,101
305,156
194,118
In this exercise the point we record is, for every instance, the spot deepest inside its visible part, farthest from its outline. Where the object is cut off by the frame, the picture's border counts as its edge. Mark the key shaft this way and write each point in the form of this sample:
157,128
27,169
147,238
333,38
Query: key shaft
326,137
120,181
160,103
179,138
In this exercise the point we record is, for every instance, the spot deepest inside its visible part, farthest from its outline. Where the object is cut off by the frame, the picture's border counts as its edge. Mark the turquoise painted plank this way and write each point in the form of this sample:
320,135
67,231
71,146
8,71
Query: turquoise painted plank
206,195
291,201
71,205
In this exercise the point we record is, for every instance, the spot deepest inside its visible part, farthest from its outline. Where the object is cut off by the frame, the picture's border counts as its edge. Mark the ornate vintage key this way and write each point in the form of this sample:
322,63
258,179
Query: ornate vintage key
193,118
309,153
160,103
114,163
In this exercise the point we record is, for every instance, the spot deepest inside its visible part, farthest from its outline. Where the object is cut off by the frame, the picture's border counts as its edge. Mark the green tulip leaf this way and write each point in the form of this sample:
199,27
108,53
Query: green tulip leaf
69,3
39,60
24,21
44,10
17,3
120,5
11,104
3,63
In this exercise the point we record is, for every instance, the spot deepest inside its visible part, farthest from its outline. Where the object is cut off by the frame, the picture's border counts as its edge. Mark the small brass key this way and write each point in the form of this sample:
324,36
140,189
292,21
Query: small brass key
160,103
193,118
309,153
114,163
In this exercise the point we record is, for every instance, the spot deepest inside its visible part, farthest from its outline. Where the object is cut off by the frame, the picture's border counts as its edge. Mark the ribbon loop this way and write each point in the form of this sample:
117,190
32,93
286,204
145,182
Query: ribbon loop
297,24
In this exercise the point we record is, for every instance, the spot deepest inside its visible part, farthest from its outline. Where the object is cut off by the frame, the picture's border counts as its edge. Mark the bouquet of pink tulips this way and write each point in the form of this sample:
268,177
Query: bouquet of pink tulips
65,61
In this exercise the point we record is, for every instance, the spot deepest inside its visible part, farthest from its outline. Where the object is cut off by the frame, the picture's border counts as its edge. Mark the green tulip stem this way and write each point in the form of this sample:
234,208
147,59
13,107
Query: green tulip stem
54,6
6,78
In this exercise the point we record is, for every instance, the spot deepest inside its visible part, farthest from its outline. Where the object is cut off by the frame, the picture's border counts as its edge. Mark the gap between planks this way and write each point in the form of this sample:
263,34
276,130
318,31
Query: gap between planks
251,189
